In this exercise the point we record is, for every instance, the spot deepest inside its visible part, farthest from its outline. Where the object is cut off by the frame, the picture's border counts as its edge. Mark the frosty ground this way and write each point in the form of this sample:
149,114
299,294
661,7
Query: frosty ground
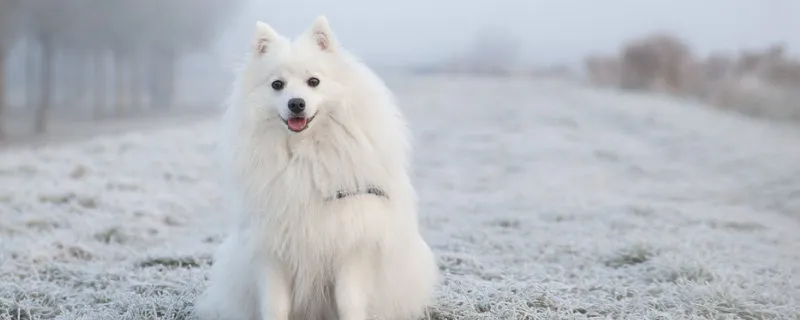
542,199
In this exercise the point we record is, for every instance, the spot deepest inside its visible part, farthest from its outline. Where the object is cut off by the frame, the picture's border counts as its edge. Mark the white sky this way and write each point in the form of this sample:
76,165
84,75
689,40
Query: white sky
548,31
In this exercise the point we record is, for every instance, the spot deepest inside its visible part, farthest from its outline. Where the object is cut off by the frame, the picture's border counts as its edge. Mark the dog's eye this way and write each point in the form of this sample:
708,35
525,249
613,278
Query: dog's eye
312,82
277,84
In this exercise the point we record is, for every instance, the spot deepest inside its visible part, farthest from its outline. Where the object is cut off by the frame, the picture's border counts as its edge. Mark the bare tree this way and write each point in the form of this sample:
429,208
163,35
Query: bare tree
101,24
189,31
9,26
656,60
50,24
493,51
130,48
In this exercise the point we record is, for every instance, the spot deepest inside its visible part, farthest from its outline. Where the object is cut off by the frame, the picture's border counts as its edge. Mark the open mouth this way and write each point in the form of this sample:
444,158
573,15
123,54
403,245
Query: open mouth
298,123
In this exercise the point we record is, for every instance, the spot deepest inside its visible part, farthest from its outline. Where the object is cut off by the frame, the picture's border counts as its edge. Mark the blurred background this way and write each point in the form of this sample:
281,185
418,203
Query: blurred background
574,159
69,66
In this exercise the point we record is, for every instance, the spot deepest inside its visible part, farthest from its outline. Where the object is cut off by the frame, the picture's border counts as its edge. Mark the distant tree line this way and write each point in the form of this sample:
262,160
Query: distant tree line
122,54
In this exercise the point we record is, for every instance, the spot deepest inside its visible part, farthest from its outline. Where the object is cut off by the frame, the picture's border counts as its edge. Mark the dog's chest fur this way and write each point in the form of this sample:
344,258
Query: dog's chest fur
293,189
309,170
300,220
329,168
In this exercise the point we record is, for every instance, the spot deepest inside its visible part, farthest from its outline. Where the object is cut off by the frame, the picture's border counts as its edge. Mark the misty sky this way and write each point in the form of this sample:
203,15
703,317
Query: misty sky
548,31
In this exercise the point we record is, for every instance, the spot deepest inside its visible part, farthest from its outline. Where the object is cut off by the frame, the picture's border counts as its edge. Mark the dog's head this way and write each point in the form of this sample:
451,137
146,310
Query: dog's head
293,81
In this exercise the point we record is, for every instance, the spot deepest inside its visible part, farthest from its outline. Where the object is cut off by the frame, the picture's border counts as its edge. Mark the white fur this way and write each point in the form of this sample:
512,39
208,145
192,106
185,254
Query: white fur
297,254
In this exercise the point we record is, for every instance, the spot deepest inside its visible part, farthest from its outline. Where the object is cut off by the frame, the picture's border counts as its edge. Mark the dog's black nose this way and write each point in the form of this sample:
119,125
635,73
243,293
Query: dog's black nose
297,105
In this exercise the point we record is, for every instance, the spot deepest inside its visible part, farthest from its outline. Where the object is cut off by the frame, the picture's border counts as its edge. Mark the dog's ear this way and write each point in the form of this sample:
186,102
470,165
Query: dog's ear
265,38
322,35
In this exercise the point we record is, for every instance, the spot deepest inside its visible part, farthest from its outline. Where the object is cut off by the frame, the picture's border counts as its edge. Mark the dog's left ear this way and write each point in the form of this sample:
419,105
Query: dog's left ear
322,35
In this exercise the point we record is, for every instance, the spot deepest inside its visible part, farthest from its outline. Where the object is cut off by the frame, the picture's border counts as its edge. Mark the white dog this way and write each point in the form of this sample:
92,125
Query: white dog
318,156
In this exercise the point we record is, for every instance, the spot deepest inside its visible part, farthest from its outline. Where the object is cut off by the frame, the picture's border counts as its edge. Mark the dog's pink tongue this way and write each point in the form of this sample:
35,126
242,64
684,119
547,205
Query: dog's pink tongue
297,124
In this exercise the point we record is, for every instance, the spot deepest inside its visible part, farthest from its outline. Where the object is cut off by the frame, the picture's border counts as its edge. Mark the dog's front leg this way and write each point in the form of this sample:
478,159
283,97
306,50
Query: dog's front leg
353,282
274,292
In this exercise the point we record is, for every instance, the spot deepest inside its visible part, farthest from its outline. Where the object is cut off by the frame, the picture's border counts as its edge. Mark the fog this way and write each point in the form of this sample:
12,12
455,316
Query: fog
399,33
121,58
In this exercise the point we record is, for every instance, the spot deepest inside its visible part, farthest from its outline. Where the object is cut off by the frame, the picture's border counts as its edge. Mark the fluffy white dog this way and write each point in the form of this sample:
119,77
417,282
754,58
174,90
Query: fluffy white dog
318,157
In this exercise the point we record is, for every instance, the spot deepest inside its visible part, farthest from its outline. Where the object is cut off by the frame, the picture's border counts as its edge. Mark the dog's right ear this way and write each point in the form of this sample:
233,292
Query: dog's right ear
266,37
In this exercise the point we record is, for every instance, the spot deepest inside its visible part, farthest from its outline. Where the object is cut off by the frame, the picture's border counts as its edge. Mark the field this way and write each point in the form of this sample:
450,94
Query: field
543,200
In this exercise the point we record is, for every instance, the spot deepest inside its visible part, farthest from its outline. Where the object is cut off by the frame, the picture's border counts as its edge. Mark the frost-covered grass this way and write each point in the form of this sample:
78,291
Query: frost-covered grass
543,201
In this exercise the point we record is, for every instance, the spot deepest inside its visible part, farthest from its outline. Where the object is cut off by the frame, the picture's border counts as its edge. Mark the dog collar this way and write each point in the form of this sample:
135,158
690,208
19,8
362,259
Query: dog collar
373,190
